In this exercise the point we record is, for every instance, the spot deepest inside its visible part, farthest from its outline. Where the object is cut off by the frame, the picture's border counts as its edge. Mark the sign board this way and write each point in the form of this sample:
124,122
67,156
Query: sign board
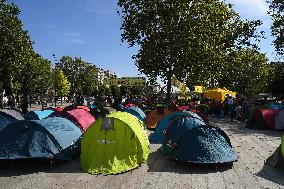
127,81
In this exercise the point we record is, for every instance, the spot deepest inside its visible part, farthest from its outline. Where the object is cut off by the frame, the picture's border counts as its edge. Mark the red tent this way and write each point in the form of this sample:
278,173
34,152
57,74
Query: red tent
79,116
265,118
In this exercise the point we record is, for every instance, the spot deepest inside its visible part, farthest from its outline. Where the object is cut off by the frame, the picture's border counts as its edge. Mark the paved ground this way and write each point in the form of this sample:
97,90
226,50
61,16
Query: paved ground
252,146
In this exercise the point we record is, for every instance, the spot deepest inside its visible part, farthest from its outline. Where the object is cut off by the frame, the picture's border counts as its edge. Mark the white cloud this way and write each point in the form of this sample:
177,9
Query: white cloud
252,8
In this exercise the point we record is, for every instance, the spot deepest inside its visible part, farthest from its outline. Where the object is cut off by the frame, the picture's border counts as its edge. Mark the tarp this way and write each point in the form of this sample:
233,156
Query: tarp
202,144
38,115
114,145
263,119
279,120
51,138
154,117
80,117
134,110
171,119
218,94
8,116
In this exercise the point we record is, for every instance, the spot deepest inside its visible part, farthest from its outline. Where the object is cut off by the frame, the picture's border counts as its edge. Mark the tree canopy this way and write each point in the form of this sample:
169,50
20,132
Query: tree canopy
190,39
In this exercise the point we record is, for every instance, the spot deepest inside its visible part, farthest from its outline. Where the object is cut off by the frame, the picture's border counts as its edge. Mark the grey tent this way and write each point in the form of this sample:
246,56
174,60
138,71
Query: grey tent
8,116
279,120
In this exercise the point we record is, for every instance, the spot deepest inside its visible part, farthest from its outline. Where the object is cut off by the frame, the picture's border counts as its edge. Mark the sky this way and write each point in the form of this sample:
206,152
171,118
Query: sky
90,29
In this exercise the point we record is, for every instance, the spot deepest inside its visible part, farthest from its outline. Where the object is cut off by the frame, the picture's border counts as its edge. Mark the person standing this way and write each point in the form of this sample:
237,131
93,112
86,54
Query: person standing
230,104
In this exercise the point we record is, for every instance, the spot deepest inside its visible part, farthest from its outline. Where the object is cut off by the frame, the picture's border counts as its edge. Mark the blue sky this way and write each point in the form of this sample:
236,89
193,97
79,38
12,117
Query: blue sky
91,29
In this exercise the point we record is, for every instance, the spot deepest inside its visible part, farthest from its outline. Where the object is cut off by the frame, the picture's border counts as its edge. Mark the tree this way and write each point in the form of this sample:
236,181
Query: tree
79,73
276,10
189,39
276,79
15,45
248,70
61,83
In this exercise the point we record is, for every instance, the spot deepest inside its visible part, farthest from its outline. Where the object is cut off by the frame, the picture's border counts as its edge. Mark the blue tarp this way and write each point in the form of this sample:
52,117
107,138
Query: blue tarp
136,112
51,138
38,115
203,144
165,122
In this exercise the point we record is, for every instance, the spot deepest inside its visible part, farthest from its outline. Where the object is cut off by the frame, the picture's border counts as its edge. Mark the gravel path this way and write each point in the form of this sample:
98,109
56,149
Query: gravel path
253,148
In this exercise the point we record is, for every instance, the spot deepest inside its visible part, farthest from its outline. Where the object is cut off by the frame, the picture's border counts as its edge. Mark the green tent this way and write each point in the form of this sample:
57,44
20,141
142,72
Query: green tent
114,144
277,158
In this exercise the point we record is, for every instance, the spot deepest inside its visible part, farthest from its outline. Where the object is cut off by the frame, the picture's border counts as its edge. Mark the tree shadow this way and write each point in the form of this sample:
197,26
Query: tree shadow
9,168
157,162
272,174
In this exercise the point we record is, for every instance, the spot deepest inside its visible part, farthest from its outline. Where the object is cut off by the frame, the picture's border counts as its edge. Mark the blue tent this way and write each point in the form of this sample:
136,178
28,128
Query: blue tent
166,121
8,116
276,106
38,115
50,138
204,144
136,112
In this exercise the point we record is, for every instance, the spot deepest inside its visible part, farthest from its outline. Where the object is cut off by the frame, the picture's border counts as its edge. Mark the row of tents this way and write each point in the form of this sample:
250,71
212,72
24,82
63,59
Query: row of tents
112,142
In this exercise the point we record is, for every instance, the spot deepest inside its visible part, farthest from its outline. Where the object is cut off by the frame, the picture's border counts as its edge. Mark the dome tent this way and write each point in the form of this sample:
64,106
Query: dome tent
203,144
277,158
80,117
54,137
155,116
134,110
158,135
263,119
38,114
114,145
279,120
8,116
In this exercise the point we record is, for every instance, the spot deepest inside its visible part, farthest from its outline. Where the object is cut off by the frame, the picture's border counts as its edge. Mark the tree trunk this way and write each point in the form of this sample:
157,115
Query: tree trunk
169,86
25,102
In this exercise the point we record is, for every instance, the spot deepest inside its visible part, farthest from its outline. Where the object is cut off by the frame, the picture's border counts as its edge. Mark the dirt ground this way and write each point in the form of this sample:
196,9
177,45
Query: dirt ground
253,148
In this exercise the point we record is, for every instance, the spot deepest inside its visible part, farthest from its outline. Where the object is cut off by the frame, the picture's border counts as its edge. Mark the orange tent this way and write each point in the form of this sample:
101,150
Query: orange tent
154,117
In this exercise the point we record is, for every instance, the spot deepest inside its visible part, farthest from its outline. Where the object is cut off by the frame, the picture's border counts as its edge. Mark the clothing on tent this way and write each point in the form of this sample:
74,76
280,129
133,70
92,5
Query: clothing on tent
114,145
50,138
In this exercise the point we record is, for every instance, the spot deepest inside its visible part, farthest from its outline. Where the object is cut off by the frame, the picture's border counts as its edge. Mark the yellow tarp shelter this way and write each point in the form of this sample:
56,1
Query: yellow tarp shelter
219,94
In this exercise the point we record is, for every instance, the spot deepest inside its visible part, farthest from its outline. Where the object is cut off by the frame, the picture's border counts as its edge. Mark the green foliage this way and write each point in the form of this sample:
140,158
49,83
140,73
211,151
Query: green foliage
115,91
277,79
276,10
15,46
80,74
190,39
247,72
61,83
